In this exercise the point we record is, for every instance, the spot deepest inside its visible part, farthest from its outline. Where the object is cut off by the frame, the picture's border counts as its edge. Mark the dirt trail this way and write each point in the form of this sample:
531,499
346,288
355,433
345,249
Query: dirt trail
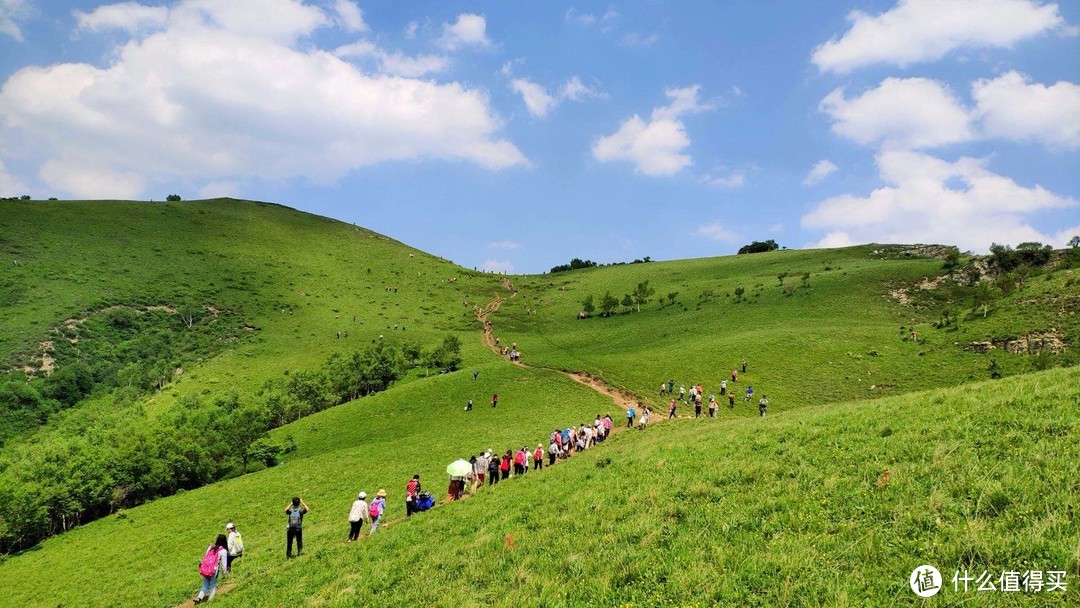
222,588
624,399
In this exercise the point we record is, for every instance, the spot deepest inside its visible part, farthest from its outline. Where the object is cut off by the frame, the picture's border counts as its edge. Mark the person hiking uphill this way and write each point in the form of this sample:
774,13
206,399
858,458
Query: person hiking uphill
731,400
671,409
358,514
630,413
235,545
376,510
762,404
412,488
295,512
212,566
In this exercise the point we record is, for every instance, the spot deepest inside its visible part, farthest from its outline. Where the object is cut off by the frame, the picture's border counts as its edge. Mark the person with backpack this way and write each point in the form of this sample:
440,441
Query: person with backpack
712,406
731,400
644,420
630,413
538,457
295,512
762,404
671,409
744,365
495,400
504,465
479,470
697,406
412,488
749,393
493,468
376,510
357,515
213,564
235,545
553,453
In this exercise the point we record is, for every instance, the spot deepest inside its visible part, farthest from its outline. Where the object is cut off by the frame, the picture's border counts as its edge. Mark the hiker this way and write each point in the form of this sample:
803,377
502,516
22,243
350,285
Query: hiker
519,462
453,491
553,453
762,404
723,387
663,387
744,365
644,420
212,565
671,409
504,465
235,545
295,512
376,510
412,488
357,515
538,457
475,374
495,400
608,423
749,393
731,400
697,407
712,406
468,406
734,376
670,386
493,468
682,393
630,413
480,467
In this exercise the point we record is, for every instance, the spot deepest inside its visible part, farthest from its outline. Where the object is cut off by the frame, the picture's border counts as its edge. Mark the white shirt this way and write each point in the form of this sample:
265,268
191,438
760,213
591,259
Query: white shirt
359,511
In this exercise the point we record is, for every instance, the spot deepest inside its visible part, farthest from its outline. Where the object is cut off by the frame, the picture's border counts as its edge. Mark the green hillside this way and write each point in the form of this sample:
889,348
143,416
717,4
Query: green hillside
837,326
178,334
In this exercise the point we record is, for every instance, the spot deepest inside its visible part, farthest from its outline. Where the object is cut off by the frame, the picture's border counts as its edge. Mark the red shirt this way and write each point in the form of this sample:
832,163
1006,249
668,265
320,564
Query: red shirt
412,487
505,464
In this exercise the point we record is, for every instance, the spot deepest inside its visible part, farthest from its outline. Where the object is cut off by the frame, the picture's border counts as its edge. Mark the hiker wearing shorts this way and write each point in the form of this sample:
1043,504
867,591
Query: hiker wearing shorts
295,512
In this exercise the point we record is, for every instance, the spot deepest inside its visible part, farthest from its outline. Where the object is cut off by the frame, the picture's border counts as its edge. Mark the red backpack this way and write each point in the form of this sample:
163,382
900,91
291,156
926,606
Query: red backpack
209,563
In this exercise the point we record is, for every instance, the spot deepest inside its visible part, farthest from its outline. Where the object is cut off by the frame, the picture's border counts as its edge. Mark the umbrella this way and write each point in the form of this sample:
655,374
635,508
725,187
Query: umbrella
459,468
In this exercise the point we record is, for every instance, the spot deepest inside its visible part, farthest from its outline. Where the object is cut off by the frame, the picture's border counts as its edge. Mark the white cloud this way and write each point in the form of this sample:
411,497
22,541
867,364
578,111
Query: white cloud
656,147
222,94
926,30
586,19
929,200
504,245
349,15
9,186
410,30
900,112
635,39
468,30
220,189
396,63
717,232
1009,107
491,265
821,169
832,240
725,179
11,13
127,16
776,228
539,102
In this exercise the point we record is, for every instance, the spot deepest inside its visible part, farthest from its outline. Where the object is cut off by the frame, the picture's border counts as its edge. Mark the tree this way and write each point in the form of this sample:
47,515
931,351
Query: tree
1074,242
984,296
189,313
952,260
707,295
246,426
642,294
739,291
628,302
588,306
780,277
759,247
574,264
671,297
806,279
608,303
173,198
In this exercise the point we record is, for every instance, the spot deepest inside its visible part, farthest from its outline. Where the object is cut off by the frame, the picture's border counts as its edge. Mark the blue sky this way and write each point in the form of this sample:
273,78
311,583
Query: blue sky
514,136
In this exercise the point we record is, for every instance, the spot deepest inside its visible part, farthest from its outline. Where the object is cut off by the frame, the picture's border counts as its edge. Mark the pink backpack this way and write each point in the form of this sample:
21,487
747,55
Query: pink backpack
209,563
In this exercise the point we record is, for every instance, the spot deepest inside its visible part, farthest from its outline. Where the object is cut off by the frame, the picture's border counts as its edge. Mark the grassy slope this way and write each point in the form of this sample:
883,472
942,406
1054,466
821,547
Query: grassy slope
809,348
784,511
254,258
374,442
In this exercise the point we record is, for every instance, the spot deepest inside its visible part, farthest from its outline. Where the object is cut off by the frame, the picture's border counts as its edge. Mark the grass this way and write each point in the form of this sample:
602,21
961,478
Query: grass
838,338
150,552
785,511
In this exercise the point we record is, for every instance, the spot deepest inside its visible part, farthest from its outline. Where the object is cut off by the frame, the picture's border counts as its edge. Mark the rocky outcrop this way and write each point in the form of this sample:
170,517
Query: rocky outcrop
1024,345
